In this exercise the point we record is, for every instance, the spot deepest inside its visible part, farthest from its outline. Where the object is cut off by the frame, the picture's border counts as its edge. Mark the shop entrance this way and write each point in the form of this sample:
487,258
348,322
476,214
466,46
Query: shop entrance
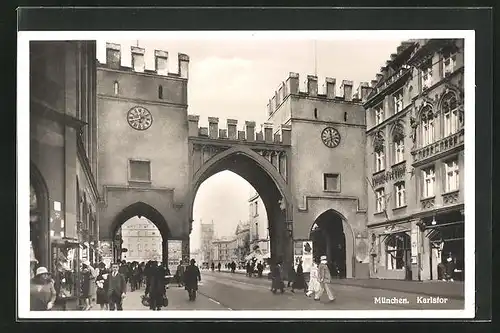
327,235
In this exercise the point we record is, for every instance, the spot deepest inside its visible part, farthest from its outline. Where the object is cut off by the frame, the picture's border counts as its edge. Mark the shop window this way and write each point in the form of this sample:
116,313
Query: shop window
380,200
140,171
450,115
398,101
400,194
397,250
64,270
452,176
331,182
429,182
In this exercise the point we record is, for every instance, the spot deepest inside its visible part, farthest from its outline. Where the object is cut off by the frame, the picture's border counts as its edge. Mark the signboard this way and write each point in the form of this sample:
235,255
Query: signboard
303,250
174,254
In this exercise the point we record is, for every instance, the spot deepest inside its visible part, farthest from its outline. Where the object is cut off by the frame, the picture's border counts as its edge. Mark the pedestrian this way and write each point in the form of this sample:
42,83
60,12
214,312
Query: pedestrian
314,285
179,274
260,269
102,284
42,292
156,290
291,277
324,278
277,278
299,281
213,266
191,278
117,288
218,267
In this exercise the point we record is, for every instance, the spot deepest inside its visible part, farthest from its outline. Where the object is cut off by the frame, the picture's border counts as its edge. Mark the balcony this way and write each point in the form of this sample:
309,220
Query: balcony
441,147
428,203
451,198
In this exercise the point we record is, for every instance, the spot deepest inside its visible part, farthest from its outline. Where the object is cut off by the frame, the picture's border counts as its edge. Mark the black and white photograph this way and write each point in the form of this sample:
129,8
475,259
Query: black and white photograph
246,174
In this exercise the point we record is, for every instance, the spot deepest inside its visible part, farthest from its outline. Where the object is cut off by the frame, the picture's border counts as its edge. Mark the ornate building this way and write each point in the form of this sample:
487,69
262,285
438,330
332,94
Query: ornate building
207,236
259,232
63,163
142,240
415,161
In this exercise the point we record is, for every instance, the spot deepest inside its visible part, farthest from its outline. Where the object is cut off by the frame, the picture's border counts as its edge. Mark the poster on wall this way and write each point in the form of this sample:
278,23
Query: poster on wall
174,254
307,256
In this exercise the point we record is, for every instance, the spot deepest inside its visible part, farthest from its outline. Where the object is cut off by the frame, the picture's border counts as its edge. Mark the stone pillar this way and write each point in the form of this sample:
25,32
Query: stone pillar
164,247
312,85
268,132
232,132
286,134
193,121
250,130
347,90
213,127
185,250
330,88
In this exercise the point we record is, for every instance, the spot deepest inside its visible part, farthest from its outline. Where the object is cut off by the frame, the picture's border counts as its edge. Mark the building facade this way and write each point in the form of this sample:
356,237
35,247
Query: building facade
223,250
63,161
242,240
258,225
207,236
142,240
139,109
415,161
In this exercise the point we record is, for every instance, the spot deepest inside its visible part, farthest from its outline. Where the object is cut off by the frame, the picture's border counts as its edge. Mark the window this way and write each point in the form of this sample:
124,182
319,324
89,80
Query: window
139,247
450,114
398,101
379,161
380,200
140,171
116,88
256,212
452,172
400,195
399,151
379,114
160,92
427,128
427,75
449,60
398,251
331,182
429,182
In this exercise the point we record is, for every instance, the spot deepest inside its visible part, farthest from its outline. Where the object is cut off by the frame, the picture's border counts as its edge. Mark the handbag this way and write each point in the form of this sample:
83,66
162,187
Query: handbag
165,300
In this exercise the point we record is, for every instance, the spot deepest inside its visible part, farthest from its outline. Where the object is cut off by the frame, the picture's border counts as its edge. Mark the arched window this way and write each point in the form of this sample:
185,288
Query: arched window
428,126
116,88
160,92
449,108
379,148
398,142
398,251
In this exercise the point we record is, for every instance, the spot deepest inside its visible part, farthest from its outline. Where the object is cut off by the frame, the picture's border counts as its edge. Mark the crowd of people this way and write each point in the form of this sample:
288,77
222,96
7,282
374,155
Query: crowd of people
107,286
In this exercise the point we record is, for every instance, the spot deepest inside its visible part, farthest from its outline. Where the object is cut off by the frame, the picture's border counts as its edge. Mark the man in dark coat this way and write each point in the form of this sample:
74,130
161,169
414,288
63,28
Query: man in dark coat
191,277
277,278
156,289
117,288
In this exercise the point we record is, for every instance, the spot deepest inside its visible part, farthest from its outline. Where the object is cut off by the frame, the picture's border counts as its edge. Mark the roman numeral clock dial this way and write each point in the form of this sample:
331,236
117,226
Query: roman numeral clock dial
139,118
330,137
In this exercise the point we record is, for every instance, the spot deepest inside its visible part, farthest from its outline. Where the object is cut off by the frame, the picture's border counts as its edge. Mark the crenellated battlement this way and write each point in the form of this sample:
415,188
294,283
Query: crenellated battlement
268,133
114,55
291,87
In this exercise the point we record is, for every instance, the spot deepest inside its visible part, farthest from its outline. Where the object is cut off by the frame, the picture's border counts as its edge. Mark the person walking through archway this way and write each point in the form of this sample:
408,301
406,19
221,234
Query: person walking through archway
324,278
156,289
42,292
299,281
117,288
218,267
277,278
191,278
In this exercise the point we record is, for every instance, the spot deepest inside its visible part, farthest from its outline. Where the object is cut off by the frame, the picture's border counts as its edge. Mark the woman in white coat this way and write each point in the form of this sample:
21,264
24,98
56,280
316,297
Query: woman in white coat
314,284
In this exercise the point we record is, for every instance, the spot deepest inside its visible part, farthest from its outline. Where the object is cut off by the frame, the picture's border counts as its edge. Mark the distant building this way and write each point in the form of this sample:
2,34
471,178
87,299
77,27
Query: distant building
223,250
142,240
207,236
258,224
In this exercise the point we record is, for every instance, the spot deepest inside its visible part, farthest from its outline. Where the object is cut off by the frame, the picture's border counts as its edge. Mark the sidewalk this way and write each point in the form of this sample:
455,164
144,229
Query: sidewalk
453,290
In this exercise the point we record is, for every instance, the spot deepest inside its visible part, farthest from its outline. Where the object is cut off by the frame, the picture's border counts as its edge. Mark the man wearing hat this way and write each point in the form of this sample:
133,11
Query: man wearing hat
324,280
42,291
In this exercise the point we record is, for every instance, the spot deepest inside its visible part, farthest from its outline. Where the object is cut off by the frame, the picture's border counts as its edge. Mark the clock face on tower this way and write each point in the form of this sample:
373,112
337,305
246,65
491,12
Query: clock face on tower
139,118
330,137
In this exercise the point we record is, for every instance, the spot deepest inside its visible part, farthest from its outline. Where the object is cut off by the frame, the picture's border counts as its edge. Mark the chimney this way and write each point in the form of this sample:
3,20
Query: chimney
293,83
183,65
330,88
363,91
312,85
113,55
161,62
137,58
347,90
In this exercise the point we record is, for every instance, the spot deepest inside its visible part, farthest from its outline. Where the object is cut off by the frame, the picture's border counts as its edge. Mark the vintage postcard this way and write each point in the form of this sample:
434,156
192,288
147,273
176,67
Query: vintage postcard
269,174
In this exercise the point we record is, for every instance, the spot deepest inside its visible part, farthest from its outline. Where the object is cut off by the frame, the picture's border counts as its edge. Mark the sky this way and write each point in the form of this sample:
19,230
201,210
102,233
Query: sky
235,78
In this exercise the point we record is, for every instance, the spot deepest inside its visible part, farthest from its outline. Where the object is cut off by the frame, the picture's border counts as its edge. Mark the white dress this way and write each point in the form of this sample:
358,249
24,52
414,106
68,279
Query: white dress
314,284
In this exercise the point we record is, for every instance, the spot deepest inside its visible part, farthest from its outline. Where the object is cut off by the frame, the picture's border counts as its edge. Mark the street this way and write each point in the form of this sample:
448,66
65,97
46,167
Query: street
226,291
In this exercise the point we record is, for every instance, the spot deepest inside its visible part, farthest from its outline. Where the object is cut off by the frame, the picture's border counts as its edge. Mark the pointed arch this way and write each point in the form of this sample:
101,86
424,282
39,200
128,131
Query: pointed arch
378,141
37,181
397,131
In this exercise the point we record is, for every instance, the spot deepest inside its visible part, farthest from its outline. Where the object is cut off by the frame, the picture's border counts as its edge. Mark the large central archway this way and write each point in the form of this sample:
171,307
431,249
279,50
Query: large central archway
140,209
268,183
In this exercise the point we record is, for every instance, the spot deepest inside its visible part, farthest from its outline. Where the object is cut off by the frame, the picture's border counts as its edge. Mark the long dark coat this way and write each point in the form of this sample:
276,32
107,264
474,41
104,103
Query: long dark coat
191,277
277,276
156,287
299,282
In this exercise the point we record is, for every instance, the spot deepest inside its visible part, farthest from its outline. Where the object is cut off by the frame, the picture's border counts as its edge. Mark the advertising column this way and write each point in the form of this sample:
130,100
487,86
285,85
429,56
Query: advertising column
174,254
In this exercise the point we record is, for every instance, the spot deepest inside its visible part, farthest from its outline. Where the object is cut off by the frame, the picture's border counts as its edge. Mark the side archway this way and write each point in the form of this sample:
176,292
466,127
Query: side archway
39,217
